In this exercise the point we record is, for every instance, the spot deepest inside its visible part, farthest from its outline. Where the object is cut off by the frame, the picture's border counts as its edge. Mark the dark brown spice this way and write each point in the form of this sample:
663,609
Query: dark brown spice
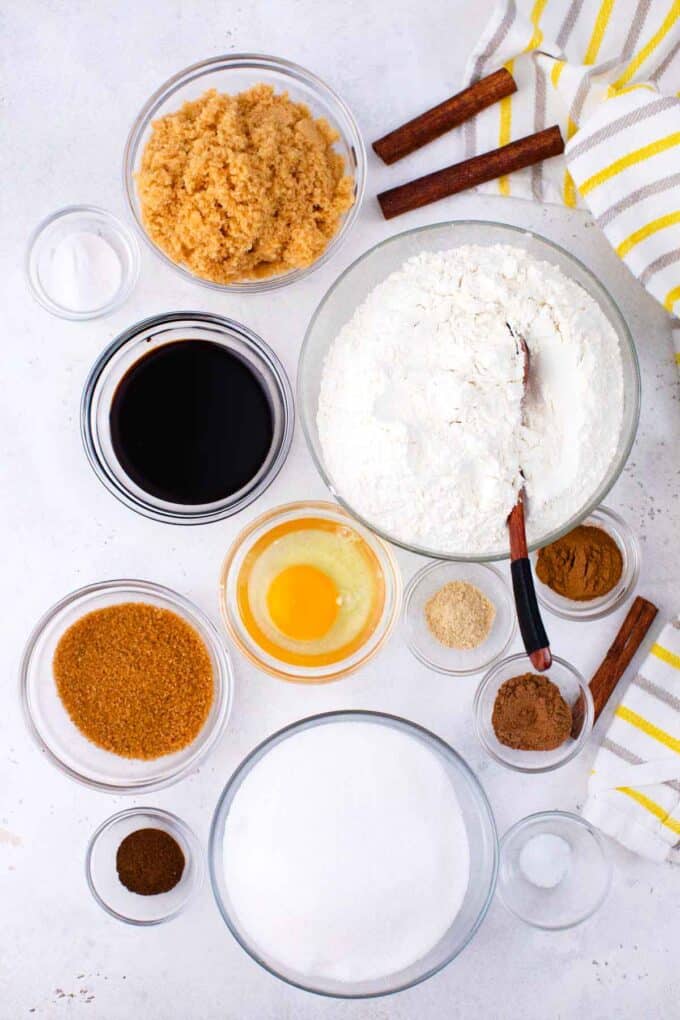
530,714
149,861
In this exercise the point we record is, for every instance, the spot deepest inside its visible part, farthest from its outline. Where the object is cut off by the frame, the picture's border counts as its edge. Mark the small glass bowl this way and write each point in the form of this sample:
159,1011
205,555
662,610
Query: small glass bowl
595,609
61,740
574,690
584,887
60,225
231,74
457,661
229,601
134,344
102,877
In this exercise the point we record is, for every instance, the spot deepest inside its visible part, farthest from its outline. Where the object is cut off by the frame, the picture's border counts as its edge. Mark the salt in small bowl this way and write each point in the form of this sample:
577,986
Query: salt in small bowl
580,890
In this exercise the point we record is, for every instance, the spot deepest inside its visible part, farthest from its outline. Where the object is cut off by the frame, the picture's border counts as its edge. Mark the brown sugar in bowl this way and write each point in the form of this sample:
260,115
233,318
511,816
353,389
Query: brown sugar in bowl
135,679
232,75
151,758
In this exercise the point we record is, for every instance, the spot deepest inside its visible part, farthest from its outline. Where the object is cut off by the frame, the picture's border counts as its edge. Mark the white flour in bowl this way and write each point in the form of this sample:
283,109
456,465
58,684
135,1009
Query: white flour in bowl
419,410
346,854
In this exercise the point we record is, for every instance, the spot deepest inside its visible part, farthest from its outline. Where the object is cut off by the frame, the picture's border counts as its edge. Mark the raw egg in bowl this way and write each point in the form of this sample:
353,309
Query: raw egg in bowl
309,594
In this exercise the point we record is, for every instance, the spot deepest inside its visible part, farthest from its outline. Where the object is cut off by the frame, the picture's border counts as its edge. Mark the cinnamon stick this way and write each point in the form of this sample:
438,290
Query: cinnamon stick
441,118
631,634
471,172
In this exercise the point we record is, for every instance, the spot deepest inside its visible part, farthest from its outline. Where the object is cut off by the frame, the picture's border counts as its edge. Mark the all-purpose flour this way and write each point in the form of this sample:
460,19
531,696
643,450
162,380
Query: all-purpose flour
345,852
419,410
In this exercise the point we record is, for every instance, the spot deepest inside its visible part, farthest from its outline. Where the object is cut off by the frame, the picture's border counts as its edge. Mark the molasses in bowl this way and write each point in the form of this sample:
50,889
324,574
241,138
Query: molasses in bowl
187,417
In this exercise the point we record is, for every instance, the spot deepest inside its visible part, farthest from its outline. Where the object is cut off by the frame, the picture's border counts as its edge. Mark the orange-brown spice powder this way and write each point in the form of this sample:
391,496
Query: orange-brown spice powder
135,679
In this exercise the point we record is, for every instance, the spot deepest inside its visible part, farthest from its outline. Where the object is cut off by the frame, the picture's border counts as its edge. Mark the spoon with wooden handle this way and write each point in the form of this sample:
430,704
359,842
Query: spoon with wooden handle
528,614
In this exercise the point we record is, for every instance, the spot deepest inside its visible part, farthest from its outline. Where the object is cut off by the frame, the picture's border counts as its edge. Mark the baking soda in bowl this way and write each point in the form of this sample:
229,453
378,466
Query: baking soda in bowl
345,852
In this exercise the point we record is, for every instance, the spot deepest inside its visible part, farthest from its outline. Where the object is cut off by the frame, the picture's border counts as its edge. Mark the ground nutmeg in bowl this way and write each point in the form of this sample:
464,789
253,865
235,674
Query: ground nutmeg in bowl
150,862
240,187
135,679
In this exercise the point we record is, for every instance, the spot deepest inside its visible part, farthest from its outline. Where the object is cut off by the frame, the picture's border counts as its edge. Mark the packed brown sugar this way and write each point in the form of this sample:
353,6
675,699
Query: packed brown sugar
135,679
238,187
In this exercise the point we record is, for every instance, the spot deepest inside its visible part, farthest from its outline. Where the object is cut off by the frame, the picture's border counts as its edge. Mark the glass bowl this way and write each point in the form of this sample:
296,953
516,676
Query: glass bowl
60,225
232,74
595,609
457,661
61,740
574,690
353,286
586,880
132,345
229,602
102,877
481,832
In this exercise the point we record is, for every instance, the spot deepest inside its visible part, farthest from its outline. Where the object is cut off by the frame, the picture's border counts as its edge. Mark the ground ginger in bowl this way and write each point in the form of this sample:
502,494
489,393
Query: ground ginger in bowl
242,187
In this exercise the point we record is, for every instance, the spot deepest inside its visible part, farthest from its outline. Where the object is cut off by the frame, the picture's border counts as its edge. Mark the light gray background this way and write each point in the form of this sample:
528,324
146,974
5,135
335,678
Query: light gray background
76,74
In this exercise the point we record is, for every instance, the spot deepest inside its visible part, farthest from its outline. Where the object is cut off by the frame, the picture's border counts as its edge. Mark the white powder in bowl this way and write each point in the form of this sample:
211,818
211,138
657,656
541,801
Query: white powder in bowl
345,852
419,410
81,272
545,860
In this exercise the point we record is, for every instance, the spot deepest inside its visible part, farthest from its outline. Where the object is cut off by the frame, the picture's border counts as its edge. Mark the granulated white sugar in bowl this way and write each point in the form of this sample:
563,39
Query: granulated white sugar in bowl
346,855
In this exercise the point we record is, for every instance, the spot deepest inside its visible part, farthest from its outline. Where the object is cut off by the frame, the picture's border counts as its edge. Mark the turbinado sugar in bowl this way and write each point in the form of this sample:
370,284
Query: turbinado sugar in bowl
345,852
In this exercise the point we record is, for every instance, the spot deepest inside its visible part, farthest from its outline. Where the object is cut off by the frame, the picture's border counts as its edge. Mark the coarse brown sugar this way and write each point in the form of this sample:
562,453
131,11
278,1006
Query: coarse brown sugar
239,187
135,679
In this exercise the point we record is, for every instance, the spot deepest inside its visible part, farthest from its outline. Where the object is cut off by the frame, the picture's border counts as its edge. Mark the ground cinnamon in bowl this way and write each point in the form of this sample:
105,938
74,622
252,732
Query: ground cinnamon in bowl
530,714
135,679
582,565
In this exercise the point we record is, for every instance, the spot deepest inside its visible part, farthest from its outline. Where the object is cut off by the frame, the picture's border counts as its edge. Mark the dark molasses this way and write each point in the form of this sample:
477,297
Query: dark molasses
191,422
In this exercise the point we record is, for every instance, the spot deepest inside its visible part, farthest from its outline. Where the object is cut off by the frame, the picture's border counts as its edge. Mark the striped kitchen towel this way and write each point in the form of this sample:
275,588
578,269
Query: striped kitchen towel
634,789
608,72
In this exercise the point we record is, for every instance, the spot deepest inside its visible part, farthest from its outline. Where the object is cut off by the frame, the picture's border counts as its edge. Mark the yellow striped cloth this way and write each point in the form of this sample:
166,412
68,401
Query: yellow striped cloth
634,789
608,72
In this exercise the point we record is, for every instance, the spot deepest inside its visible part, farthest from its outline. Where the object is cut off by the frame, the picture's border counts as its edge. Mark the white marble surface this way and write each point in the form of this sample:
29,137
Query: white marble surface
76,74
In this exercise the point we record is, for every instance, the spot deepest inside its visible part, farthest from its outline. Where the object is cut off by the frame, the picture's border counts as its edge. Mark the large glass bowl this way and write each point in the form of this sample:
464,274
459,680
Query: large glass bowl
231,74
483,842
371,268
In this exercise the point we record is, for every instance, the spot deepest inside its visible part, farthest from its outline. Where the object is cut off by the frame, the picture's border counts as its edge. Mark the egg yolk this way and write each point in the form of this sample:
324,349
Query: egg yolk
303,602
